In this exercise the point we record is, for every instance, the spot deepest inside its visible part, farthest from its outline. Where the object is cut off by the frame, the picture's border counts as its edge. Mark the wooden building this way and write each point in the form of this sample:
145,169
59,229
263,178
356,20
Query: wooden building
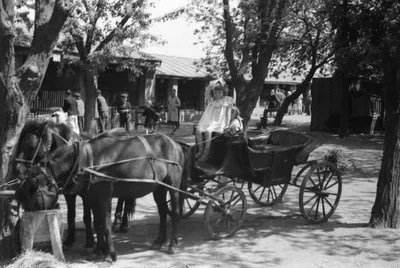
365,105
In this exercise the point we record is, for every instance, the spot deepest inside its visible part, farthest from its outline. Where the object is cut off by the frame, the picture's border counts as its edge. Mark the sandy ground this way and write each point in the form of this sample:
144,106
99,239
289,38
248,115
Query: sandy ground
276,236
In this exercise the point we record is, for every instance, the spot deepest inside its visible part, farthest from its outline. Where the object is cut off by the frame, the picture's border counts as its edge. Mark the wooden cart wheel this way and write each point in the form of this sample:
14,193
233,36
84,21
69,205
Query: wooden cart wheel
190,205
267,196
320,192
224,217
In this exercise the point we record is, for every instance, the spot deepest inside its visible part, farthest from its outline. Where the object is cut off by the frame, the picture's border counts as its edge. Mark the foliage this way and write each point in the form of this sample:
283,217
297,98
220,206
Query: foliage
305,36
102,30
306,40
99,32
336,157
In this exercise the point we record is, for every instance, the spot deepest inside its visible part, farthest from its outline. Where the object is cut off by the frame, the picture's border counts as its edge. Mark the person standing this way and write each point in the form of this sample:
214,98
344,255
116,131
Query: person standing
124,110
81,111
173,110
70,107
307,104
102,107
150,117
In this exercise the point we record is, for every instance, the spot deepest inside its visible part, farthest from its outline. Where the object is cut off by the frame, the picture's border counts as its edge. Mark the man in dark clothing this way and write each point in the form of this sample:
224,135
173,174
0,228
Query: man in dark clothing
124,110
102,107
70,107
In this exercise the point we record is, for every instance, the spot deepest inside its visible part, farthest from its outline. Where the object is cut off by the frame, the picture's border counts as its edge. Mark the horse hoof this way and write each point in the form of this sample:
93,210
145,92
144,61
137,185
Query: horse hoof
156,246
97,252
107,262
171,250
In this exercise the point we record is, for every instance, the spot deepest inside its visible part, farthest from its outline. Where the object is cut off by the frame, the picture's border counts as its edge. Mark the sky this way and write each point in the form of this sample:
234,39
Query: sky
178,34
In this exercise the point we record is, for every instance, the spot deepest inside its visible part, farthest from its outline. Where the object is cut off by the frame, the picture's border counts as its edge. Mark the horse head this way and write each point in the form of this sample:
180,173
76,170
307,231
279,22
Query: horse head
37,140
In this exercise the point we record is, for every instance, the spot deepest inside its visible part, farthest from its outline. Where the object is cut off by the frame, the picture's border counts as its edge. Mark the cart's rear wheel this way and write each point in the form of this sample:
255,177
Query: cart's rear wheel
267,196
320,192
224,217
190,205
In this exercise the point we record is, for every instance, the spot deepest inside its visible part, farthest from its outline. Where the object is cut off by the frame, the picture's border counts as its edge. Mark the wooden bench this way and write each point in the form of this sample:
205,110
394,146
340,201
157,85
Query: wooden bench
42,226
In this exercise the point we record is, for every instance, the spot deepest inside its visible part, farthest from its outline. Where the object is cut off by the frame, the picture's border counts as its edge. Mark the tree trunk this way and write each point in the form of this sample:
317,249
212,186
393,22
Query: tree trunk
89,94
385,212
246,101
13,116
344,111
301,89
19,88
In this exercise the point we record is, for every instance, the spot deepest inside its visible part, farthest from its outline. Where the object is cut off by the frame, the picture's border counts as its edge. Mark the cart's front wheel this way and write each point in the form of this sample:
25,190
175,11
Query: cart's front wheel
225,214
320,192
267,196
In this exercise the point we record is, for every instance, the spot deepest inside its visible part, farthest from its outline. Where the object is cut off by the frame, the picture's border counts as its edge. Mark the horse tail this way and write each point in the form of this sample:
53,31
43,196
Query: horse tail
189,154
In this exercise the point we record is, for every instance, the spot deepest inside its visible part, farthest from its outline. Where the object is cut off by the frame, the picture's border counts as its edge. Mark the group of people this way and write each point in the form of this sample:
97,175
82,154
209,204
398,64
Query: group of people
220,116
73,112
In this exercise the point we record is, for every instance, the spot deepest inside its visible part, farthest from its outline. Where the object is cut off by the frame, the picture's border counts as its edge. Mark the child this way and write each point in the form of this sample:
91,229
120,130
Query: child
151,117
236,125
216,116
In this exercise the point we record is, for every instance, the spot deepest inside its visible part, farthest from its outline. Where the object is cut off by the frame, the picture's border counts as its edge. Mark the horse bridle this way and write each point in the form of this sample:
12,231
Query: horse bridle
48,171
30,162
46,150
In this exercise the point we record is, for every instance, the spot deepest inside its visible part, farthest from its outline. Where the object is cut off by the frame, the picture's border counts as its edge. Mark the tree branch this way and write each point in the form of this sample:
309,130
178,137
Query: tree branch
7,59
229,40
93,21
49,20
246,49
270,25
111,35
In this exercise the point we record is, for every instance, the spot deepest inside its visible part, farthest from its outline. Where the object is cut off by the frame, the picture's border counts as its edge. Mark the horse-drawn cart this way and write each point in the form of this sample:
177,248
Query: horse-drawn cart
266,164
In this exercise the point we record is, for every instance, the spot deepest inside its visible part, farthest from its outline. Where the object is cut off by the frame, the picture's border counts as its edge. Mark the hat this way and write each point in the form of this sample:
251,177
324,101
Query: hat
124,95
77,95
149,101
68,92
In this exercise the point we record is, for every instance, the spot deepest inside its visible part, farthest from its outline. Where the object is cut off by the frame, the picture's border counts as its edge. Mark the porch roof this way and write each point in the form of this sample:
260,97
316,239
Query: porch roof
179,67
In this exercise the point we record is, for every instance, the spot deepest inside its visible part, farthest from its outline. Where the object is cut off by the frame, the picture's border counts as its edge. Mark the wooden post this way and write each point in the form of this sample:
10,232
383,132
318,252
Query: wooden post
42,226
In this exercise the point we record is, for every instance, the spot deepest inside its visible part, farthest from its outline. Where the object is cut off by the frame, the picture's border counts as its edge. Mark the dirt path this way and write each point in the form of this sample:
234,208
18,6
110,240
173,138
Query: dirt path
275,236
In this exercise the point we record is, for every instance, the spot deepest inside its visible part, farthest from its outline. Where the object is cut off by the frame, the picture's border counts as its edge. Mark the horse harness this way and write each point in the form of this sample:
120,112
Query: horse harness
84,164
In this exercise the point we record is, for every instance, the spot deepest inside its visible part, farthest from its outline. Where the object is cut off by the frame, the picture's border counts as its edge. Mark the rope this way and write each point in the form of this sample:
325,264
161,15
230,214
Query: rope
58,135
134,159
10,183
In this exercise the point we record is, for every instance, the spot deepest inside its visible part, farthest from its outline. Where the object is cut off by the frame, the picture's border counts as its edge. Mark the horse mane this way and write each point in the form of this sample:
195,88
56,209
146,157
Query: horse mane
34,126
45,128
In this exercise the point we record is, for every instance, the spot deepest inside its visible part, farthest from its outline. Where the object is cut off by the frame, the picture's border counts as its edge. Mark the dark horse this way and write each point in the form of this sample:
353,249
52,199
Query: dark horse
37,140
124,168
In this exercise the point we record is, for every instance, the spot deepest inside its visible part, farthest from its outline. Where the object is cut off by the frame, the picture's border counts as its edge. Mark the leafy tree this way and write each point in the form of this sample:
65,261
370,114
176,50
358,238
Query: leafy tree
304,36
102,31
18,87
246,34
306,46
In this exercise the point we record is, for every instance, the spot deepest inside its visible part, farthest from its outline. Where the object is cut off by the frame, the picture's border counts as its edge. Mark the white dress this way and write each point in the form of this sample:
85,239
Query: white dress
216,116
